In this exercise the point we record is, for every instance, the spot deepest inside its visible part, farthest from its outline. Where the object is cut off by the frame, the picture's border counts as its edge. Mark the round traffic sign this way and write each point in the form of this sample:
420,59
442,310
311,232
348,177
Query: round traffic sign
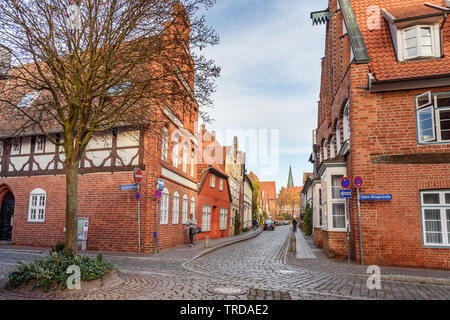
346,183
158,194
358,182
138,175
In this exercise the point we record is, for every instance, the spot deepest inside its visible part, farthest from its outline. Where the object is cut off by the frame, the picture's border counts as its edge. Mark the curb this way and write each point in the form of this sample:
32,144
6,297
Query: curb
223,245
393,277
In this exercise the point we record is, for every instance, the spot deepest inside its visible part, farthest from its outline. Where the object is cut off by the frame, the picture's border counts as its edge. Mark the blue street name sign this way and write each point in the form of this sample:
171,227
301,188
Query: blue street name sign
375,197
160,184
345,193
129,187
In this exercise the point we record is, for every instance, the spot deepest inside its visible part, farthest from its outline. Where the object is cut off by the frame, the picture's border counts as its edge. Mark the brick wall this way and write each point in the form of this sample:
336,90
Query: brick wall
334,244
318,237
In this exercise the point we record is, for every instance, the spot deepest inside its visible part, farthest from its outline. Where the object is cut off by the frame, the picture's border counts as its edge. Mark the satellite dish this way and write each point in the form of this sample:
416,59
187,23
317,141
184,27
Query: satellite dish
5,61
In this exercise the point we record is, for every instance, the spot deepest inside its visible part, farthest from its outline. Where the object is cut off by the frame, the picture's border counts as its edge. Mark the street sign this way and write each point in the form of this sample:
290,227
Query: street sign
160,183
375,197
129,187
138,175
358,182
345,193
346,183
158,194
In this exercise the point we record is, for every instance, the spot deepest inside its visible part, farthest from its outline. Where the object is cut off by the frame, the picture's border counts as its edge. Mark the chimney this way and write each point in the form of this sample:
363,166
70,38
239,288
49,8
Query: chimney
5,62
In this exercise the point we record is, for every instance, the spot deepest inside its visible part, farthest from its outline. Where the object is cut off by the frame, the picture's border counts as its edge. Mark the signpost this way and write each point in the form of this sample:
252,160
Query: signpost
346,194
376,197
346,183
158,196
160,184
128,187
138,175
358,182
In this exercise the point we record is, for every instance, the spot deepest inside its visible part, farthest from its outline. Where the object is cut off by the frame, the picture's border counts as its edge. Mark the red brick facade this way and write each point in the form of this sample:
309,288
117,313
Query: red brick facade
383,126
318,241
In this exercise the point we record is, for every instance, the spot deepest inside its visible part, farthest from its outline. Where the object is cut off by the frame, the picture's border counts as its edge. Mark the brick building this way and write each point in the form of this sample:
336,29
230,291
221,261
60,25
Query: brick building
384,115
32,180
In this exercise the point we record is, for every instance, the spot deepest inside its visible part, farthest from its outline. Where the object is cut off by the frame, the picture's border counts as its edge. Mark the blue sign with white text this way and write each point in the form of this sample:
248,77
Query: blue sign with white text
129,187
375,197
160,184
345,193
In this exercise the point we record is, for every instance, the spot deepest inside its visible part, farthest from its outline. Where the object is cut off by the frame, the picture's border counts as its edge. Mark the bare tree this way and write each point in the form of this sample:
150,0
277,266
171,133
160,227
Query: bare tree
98,64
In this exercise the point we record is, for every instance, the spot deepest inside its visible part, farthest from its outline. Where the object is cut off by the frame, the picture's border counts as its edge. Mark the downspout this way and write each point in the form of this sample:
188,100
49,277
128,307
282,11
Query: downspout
442,34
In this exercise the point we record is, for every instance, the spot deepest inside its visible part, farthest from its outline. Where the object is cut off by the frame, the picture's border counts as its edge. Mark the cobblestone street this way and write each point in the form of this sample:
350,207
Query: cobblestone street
261,267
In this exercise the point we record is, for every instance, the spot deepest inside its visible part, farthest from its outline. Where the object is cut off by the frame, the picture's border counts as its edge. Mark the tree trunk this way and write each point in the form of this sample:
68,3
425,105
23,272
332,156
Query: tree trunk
71,206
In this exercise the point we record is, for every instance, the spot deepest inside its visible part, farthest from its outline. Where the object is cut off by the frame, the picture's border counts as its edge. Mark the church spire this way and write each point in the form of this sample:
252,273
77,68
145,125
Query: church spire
290,179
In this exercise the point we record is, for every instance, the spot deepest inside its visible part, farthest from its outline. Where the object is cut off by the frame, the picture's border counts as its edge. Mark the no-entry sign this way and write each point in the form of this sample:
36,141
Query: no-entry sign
138,176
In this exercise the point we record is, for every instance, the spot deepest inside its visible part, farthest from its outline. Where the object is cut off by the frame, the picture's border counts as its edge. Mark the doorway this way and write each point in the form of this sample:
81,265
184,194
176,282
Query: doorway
6,217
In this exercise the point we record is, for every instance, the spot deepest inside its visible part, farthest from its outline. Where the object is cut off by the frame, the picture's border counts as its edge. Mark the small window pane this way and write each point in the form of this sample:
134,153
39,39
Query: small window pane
425,32
411,43
426,125
411,52
427,51
433,227
411,33
338,215
447,198
431,198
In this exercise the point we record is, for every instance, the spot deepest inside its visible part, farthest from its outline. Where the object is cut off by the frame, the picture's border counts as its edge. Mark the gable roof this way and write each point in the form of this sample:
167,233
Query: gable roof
214,169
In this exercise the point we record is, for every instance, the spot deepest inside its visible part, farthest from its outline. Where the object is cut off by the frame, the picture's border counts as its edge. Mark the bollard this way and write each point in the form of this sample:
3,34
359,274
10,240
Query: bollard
293,244
207,242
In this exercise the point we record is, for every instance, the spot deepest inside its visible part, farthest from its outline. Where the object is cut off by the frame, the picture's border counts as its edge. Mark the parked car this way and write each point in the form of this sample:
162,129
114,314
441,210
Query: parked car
269,225
278,223
286,222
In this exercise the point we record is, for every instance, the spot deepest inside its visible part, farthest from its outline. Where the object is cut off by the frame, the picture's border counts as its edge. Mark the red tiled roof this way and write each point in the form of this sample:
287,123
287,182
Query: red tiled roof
383,63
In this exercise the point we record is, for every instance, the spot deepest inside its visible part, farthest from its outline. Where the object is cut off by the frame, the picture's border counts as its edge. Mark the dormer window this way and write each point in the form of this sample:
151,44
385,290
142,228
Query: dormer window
418,42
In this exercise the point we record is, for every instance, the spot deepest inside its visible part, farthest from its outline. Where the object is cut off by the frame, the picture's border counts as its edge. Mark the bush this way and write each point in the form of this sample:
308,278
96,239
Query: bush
307,221
246,229
59,247
49,272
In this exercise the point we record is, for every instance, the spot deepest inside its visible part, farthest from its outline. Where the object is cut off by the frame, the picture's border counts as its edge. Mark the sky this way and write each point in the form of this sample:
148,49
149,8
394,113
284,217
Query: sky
270,55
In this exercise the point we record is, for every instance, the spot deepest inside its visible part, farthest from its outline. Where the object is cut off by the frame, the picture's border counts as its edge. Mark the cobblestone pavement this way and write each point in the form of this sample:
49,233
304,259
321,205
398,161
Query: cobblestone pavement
254,267
321,263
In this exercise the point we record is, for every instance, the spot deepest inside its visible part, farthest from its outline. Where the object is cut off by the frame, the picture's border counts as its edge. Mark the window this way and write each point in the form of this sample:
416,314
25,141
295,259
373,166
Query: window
325,150
119,89
36,210
175,152
164,144
332,148
336,187
346,121
436,217
192,163
418,42
184,210
176,208
40,144
433,117
28,99
223,219
16,146
320,217
338,137
212,181
338,215
164,219
193,206
220,184
206,218
184,158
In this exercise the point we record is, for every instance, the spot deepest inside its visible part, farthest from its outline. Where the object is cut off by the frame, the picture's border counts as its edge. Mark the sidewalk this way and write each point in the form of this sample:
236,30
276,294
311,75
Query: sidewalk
182,253
309,257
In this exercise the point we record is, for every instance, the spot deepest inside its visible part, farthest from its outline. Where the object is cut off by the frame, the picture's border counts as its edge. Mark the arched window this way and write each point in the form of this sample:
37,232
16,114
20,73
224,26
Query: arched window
184,158
192,163
338,137
164,214
346,121
176,208
332,149
193,206
164,144
184,210
325,150
175,152
36,209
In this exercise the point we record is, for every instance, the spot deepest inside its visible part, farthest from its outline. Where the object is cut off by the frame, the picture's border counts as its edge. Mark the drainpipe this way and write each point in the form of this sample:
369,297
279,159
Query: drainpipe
442,34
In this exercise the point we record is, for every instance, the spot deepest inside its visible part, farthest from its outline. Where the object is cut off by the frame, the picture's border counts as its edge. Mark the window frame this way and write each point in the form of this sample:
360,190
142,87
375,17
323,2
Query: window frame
44,140
223,219
212,181
206,218
184,209
435,117
176,152
38,193
176,208
419,42
165,144
220,184
164,208
442,207
184,158
347,133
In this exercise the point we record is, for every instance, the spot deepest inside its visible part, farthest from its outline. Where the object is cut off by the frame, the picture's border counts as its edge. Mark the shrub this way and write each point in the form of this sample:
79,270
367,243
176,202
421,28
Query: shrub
49,272
246,229
59,247
307,220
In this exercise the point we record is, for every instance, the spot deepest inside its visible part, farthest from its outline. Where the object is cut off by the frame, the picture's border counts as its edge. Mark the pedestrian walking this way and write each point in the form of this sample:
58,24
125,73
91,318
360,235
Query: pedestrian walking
294,224
191,227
